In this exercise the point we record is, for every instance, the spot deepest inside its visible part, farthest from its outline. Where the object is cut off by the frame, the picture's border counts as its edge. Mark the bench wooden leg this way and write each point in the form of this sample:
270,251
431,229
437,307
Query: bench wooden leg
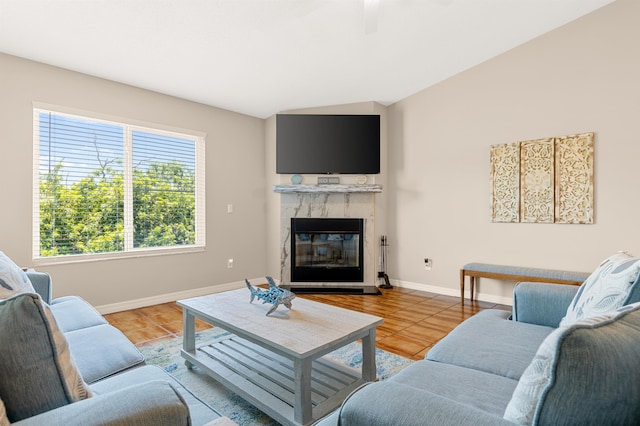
462,274
472,285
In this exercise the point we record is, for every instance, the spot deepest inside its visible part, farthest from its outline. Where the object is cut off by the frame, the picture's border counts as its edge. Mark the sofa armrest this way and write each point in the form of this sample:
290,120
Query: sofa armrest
41,282
151,403
541,303
389,403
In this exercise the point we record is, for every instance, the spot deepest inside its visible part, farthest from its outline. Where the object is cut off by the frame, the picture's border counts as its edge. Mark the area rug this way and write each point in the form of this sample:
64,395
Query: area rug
166,355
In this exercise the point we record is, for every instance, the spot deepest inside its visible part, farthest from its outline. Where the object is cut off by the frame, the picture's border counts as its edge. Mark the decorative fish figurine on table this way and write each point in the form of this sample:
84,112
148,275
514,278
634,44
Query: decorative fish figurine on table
275,295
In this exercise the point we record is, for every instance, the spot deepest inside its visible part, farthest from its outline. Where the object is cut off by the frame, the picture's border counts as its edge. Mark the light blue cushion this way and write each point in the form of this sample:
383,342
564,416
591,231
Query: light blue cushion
489,341
429,393
586,373
199,411
36,368
74,313
606,289
484,391
102,351
42,284
542,303
154,403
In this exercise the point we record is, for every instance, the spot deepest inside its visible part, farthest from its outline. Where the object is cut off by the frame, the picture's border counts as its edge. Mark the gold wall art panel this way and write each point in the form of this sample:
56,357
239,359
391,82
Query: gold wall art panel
574,179
543,181
505,182
536,181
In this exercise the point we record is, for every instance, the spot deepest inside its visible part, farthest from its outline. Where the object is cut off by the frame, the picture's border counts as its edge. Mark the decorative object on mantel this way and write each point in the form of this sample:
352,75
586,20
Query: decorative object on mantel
275,295
543,181
296,179
361,180
328,180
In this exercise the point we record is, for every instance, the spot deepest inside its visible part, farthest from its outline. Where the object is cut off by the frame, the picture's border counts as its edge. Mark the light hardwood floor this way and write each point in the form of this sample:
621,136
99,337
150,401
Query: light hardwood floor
413,320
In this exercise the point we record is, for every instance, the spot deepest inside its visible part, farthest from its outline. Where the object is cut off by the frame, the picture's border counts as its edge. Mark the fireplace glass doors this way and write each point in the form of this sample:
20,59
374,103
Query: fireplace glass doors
327,250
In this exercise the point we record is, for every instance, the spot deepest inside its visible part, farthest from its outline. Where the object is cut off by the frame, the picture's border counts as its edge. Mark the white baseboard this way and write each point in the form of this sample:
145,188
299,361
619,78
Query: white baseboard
169,297
172,297
446,291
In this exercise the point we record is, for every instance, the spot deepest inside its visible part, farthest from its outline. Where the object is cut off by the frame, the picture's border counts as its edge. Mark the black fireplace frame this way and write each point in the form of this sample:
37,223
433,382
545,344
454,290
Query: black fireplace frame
329,226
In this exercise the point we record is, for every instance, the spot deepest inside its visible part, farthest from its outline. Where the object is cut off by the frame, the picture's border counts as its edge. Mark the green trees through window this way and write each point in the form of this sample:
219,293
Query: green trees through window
105,187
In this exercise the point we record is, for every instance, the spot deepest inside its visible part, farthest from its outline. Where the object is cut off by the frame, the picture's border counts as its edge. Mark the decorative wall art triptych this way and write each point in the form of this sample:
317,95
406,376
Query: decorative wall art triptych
543,181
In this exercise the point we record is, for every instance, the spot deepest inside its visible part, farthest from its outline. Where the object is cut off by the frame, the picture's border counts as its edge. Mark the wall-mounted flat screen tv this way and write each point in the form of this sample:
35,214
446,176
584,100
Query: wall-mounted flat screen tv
322,144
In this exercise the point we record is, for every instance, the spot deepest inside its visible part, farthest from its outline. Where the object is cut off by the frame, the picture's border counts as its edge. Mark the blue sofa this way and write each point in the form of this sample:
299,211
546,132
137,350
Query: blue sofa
565,355
122,390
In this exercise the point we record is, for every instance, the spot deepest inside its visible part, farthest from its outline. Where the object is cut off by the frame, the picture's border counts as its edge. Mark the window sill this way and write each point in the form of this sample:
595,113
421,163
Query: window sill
99,257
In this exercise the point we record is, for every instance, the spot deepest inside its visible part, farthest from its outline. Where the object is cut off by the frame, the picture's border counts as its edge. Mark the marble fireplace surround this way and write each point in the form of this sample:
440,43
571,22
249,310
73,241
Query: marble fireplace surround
329,201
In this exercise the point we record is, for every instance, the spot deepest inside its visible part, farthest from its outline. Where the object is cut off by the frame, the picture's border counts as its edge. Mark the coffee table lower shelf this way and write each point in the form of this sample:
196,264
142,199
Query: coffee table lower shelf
267,380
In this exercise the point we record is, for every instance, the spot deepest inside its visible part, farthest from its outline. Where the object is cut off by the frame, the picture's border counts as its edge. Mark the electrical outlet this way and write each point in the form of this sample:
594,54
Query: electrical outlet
428,263
229,263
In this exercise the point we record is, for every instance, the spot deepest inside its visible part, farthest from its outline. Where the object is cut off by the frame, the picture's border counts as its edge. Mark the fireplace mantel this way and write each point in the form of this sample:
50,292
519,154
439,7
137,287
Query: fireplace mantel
290,189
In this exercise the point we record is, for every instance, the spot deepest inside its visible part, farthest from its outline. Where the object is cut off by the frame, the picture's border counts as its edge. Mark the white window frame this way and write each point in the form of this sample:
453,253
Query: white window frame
130,126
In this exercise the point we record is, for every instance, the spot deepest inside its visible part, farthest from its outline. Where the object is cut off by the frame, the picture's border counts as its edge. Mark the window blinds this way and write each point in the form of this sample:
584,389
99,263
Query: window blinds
105,187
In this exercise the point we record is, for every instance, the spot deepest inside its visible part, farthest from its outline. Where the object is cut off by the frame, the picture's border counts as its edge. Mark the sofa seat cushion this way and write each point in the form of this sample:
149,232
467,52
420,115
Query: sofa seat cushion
489,341
154,403
586,373
73,313
611,285
199,411
37,370
488,392
429,393
101,351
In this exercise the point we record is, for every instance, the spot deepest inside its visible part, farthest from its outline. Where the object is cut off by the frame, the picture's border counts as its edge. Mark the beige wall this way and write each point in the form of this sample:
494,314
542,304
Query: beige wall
583,77
234,174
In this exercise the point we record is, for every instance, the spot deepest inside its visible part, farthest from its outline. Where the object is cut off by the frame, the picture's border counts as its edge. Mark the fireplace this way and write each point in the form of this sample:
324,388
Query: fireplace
329,202
327,250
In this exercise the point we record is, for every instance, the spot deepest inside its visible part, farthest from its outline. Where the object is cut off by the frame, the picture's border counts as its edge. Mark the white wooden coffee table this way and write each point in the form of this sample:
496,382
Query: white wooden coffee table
274,362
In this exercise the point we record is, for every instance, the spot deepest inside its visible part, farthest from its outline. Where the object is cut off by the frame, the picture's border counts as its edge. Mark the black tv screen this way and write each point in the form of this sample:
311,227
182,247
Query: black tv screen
321,144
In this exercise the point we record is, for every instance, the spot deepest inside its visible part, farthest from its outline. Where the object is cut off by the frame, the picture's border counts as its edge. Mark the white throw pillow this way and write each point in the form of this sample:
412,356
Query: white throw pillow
13,280
606,289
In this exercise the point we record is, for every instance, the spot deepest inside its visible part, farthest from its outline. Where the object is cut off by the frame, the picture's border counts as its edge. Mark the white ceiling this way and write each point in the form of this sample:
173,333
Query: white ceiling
260,57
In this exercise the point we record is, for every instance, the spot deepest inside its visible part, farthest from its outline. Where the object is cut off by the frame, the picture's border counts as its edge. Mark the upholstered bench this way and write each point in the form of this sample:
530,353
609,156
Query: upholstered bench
516,273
